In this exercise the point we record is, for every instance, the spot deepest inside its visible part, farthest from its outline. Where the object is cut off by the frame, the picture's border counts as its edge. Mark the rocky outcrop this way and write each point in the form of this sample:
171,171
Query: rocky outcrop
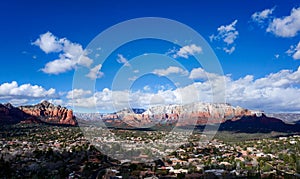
195,113
44,112
49,113
255,124
10,114
201,112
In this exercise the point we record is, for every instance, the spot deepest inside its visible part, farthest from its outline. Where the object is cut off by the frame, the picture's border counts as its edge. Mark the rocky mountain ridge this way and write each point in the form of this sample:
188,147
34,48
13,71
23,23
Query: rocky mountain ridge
202,110
203,113
291,118
229,118
263,123
43,112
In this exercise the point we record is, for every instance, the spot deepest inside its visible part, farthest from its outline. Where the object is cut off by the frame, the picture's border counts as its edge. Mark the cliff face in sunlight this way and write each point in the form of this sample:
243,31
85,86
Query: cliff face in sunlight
195,113
199,111
42,112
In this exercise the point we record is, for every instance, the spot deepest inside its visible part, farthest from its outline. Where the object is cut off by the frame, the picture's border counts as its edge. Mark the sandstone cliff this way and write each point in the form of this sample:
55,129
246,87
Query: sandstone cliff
42,112
200,113
49,113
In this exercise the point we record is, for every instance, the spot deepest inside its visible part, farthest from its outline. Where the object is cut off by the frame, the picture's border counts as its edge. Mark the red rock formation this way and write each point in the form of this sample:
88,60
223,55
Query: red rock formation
49,113
30,120
201,113
5,116
43,112
10,114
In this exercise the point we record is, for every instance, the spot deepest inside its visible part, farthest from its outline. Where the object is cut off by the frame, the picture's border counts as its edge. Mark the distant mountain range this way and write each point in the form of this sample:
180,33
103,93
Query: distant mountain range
43,112
230,118
203,113
199,114
291,118
262,124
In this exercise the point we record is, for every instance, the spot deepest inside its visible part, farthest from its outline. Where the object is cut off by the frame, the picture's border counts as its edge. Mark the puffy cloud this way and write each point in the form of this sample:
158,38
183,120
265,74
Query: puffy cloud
201,74
147,88
88,102
266,93
262,93
56,102
76,53
117,100
282,79
228,34
287,26
78,93
132,78
136,71
59,66
170,70
296,55
229,50
121,59
187,51
25,91
198,73
48,43
260,17
294,51
70,54
95,72
18,102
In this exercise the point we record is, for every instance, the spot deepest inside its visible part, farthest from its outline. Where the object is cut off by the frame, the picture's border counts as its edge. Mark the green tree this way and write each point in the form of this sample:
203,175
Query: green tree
298,165
177,166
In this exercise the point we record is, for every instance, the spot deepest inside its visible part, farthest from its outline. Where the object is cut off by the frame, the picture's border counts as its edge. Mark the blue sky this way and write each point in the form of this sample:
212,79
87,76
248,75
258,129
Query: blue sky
255,42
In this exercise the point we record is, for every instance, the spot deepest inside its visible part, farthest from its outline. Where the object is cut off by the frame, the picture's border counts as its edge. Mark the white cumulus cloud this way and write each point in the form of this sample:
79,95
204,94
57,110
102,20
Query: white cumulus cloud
49,43
170,70
267,93
228,34
187,51
18,102
59,66
78,93
57,102
70,55
287,26
261,17
95,72
263,93
147,88
24,91
294,51
229,50
201,74
132,78
198,73
121,59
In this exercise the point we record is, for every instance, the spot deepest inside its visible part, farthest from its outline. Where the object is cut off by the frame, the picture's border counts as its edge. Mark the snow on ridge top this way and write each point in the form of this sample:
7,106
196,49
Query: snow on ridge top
192,107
